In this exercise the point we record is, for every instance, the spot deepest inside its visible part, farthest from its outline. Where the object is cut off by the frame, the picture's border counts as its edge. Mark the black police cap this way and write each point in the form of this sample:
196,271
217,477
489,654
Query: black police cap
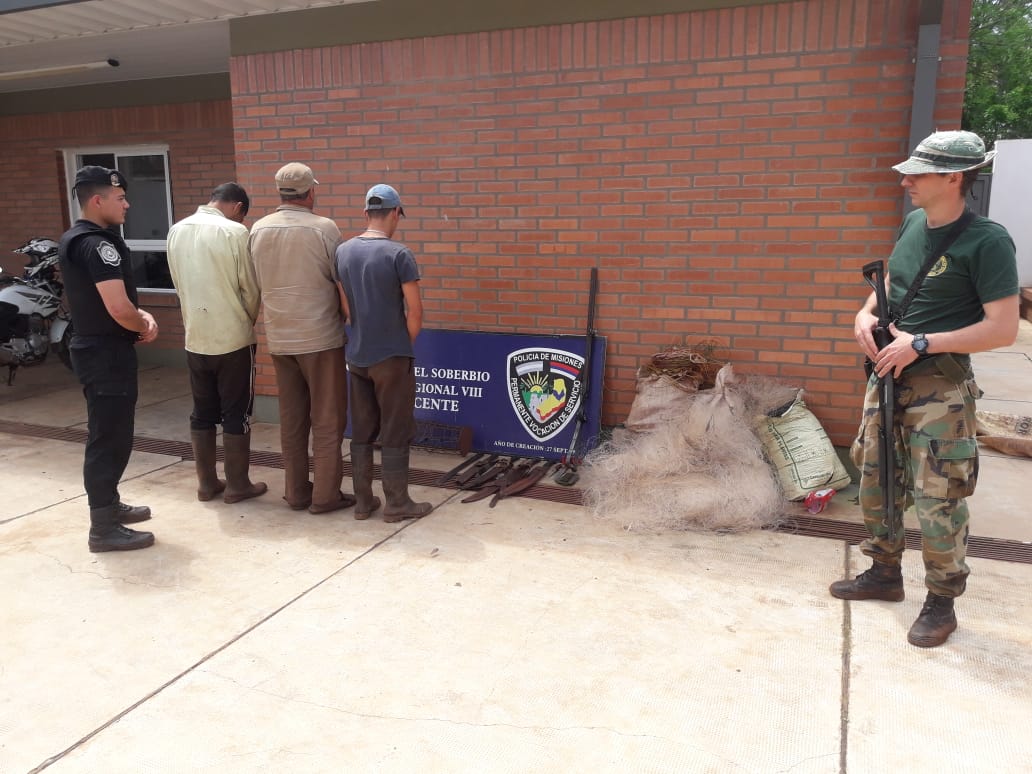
96,175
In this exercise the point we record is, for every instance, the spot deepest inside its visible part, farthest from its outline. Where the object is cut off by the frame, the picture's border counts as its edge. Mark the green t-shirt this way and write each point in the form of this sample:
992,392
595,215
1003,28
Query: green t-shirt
977,268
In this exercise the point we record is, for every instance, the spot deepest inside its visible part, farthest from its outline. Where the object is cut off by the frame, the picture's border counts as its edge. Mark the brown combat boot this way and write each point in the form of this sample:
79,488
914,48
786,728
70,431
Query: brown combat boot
935,624
881,581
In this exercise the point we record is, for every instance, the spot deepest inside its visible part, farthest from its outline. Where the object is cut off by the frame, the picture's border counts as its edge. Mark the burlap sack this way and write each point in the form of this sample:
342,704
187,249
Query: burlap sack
657,401
1008,433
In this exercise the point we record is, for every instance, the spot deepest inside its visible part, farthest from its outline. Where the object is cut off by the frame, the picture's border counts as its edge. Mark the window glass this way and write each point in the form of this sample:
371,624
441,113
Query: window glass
150,206
147,217
97,159
150,269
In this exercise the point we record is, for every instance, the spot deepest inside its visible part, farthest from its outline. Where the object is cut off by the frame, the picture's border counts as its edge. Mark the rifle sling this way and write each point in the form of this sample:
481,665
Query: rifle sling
959,225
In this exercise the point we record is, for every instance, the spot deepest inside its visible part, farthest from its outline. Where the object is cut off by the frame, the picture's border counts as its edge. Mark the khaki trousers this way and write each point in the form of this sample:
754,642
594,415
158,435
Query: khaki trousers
313,399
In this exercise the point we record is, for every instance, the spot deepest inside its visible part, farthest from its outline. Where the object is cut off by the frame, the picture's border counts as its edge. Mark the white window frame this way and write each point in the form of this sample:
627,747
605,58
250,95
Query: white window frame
142,245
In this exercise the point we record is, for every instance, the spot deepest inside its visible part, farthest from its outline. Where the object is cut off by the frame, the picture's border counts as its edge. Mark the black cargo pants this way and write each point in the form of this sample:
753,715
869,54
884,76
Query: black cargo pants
106,368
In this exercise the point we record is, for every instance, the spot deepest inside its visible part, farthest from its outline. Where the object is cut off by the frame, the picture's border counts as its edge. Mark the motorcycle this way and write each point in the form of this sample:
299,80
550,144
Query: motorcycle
33,319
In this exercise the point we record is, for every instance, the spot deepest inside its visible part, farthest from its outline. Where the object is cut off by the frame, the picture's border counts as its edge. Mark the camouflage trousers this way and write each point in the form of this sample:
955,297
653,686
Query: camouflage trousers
936,466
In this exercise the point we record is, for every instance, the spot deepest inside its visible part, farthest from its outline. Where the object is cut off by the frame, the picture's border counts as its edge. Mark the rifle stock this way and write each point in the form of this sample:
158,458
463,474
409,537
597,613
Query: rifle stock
874,275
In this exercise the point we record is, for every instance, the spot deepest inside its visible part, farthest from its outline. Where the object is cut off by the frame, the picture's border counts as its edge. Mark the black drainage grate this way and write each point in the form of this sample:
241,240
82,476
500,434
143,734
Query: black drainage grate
978,546
809,526
265,459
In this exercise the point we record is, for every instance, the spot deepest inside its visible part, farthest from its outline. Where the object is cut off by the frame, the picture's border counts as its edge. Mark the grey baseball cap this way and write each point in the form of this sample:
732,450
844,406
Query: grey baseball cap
947,152
382,197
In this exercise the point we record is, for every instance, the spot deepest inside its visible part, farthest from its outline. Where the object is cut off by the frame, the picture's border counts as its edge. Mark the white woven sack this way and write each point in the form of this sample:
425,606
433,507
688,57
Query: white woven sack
801,452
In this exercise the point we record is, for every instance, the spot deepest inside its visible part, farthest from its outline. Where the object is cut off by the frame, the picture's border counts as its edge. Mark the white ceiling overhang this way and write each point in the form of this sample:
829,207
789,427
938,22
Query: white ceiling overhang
41,43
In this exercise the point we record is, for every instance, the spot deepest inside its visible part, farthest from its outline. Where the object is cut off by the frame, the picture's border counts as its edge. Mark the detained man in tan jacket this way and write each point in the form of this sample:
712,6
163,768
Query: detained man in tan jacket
293,253
219,299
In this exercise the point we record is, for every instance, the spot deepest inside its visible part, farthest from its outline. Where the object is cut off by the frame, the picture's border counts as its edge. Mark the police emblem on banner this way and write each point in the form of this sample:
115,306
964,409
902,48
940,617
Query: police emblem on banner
544,389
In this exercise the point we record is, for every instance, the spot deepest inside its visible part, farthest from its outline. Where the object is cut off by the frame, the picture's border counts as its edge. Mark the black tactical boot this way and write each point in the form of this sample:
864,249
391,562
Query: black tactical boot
935,624
394,475
362,480
107,534
208,482
881,581
131,514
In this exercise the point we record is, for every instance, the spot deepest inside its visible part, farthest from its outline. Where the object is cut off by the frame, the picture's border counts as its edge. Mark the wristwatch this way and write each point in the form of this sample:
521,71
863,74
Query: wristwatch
920,344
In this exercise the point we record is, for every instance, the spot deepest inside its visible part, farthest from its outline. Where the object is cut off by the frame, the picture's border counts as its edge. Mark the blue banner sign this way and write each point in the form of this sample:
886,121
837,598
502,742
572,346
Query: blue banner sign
520,393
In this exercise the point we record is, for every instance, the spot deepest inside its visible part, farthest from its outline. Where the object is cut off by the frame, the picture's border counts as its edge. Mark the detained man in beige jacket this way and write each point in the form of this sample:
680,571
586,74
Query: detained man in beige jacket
219,298
293,253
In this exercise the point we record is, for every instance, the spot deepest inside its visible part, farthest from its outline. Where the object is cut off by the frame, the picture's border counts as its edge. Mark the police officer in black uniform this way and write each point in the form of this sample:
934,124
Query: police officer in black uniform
97,273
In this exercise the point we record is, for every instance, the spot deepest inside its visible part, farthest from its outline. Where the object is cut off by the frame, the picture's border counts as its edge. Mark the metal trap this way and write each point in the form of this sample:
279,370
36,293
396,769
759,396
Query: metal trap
438,435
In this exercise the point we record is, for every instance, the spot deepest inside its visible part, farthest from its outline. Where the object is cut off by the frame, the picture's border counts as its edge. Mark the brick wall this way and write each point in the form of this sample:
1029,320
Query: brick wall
200,140
727,170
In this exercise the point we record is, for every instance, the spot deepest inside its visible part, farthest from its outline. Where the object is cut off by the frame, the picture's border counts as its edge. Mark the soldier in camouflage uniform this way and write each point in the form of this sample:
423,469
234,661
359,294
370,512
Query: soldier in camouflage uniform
967,303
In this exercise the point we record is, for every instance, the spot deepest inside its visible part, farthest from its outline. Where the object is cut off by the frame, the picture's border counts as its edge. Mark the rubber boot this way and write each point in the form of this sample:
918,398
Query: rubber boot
362,480
881,581
344,500
106,534
935,623
237,450
208,482
394,475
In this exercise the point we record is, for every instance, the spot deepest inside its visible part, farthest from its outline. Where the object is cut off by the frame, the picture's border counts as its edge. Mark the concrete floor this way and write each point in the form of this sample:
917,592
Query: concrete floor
525,638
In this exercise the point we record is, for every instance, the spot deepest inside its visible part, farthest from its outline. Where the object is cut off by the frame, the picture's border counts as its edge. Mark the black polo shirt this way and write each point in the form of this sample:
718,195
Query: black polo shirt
90,254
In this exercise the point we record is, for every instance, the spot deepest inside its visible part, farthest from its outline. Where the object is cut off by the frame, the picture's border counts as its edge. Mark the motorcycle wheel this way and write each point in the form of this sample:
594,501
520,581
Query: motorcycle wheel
64,350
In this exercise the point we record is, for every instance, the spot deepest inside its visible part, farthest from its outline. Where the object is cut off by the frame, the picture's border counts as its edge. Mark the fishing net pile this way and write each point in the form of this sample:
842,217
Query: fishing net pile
691,457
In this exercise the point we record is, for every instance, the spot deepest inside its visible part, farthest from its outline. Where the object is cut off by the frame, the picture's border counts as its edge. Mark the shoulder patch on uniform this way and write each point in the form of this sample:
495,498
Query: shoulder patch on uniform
108,254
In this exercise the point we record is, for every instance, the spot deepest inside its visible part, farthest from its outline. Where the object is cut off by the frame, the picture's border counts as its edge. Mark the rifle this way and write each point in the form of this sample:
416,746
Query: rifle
567,475
874,275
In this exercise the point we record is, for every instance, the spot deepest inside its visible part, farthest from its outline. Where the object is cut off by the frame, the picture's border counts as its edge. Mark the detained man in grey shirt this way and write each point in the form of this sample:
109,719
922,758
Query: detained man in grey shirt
380,281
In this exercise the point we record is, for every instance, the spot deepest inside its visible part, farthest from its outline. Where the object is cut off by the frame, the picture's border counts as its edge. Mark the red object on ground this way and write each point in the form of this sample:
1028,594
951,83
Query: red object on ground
818,500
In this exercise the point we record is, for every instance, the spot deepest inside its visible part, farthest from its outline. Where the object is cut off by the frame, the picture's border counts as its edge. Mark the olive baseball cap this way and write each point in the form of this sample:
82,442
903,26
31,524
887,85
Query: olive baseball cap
295,178
382,197
945,152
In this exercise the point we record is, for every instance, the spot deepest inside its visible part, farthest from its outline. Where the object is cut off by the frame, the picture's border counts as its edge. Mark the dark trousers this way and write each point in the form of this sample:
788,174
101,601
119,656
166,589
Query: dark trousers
313,398
223,390
106,368
383,397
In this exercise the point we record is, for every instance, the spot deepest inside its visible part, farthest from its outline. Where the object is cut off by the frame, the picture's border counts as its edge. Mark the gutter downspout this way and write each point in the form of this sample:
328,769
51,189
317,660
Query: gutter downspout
922,119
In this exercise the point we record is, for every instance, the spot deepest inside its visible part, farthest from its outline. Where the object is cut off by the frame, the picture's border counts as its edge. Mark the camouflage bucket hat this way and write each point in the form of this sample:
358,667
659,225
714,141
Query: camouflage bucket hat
947,152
